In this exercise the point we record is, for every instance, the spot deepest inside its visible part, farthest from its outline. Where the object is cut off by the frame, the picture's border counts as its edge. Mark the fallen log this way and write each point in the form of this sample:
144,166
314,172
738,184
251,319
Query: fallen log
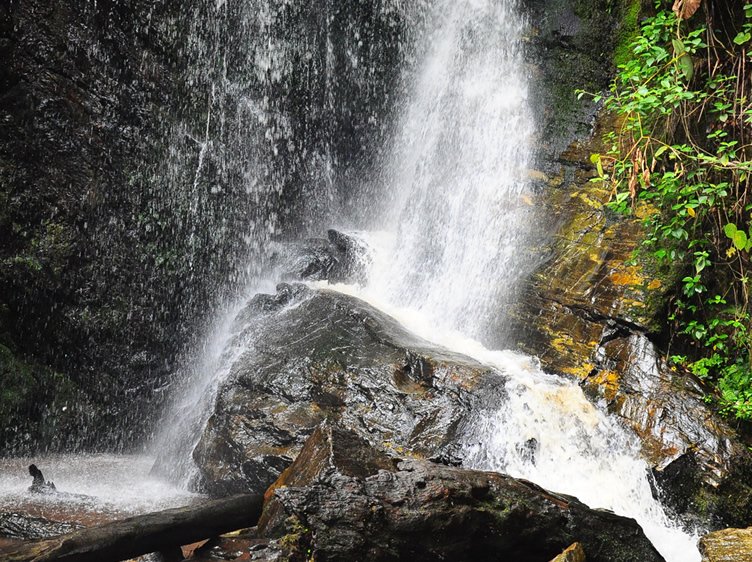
142,534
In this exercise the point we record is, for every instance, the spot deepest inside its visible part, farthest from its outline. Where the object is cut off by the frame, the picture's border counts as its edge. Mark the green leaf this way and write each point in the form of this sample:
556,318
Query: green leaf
679,48
660,151
686,66
742,37
730,230
740,240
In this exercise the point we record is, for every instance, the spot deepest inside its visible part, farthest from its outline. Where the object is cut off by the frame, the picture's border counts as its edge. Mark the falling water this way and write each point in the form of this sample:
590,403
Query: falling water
456,235
456,189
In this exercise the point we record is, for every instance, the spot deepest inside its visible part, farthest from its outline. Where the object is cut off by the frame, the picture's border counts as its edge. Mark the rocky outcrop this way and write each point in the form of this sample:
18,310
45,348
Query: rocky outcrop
149,152
593,310
315,355
727,545
344,500
341,258
701,468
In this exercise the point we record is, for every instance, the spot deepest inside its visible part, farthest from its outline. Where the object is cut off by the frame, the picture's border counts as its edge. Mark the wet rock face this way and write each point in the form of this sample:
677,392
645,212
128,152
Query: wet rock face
701,469
568,48
344,500
593,310
126,199
727,545
322,355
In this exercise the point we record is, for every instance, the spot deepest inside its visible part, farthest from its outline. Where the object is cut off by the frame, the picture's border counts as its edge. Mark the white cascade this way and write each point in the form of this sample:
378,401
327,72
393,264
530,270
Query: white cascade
455,235
456,201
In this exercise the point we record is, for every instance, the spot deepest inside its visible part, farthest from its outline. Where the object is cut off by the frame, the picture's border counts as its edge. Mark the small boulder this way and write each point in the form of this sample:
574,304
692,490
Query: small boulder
727,545
341,258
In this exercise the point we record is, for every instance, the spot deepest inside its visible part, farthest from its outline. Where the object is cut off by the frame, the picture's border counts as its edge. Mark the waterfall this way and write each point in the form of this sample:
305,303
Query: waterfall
452,221
456,197
456,234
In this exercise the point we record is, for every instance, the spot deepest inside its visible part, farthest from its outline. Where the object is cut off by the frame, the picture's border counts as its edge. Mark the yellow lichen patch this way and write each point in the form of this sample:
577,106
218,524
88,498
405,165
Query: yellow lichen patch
644,210
655,284
629,304
607,382
593,202
565,345
630,277
401,451
579,371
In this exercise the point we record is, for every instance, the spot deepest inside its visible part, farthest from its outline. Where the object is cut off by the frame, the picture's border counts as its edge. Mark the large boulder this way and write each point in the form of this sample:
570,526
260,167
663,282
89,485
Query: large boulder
306,356
343,499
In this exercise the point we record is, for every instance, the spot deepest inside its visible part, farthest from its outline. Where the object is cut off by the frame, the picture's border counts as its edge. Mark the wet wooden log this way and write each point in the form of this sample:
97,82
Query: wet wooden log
142,534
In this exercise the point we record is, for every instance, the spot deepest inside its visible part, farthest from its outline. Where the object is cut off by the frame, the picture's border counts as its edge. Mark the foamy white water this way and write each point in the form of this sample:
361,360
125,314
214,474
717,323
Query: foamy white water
547,431
118,484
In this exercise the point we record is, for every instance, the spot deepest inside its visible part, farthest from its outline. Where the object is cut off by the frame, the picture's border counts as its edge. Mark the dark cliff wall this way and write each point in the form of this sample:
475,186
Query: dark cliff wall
149,151
82,86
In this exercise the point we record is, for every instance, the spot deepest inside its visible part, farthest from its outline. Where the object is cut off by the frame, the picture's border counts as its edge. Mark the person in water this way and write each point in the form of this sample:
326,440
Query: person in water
39,486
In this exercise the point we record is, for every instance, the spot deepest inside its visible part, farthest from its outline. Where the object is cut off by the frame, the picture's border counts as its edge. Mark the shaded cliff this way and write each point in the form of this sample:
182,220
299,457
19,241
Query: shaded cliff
149,153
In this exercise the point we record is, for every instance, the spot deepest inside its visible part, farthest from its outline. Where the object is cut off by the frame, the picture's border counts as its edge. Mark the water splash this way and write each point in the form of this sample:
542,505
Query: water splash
110,484
193,401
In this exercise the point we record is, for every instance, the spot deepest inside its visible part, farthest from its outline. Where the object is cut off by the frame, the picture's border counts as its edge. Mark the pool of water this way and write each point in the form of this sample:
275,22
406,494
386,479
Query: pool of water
108,485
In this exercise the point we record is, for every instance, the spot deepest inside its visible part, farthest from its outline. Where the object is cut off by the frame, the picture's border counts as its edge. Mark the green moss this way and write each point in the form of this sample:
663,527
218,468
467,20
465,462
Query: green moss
28,262
298,541
629,27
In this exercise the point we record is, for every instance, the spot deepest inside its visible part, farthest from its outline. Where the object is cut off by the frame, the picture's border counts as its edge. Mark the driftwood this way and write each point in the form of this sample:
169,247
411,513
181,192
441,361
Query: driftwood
143,534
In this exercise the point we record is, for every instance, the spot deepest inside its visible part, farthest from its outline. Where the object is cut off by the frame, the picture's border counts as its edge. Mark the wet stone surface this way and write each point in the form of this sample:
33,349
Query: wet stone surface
343,499
703,472
320,355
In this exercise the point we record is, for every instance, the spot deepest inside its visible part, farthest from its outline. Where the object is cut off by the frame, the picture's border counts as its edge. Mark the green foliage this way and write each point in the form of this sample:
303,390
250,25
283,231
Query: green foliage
683,151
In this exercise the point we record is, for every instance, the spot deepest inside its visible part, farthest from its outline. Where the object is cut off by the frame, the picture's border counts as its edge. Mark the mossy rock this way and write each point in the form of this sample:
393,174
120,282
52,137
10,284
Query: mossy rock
40,409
